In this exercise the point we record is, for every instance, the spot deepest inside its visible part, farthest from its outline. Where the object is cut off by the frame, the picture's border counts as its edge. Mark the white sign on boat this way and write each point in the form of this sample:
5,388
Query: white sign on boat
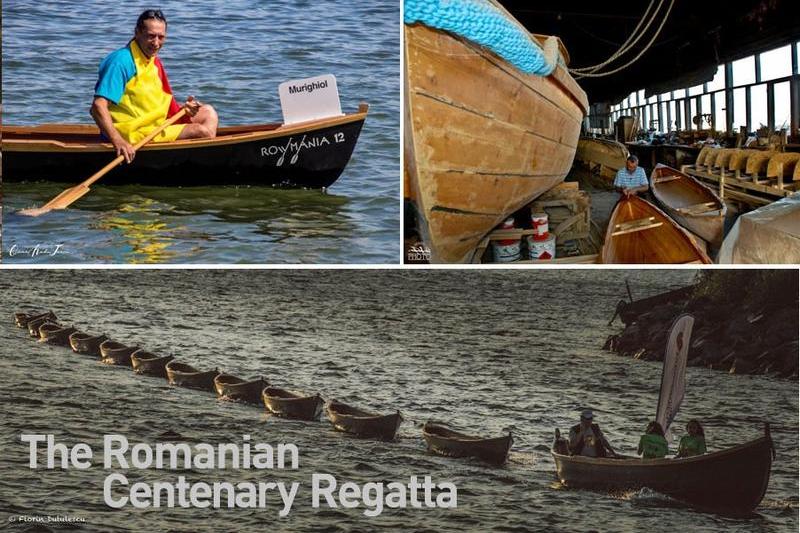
309,99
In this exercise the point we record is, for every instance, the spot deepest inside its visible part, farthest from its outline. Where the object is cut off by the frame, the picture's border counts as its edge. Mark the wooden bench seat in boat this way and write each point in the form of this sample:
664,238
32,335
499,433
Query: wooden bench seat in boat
640,224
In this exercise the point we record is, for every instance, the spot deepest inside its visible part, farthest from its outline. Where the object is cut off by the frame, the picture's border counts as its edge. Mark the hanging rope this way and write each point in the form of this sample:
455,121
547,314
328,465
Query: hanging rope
595,74
627,44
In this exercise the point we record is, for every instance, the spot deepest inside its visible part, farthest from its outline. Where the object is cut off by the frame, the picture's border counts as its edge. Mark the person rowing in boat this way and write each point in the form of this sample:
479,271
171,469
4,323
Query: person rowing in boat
653,445
694,443
133,97
631,179
585,438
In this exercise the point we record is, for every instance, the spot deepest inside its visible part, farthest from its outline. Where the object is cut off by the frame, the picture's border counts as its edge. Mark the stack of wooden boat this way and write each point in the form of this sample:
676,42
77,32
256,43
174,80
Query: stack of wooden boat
778,170
492,119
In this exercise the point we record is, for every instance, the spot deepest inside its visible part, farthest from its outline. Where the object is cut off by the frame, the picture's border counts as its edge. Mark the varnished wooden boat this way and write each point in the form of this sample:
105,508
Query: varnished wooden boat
288,404
35,323
53,333
310,155
445,441
116,353
640,233
86,344
482,137
150,364
607,154
237,389
22,319
729,482
184,375
362,423
690,203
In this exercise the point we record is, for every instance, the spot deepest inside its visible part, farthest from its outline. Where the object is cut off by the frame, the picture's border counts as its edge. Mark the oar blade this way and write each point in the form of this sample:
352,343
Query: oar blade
61,201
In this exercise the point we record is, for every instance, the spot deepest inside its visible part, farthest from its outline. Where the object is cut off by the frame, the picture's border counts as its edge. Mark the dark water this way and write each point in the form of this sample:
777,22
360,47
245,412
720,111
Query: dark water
486,351
233,55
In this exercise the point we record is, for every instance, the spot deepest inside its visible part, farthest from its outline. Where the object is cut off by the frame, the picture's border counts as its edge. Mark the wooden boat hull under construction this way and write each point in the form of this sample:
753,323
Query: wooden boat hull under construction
482,138
308,155
445,441
640,233
288,404
55,334
149,364
690,203
233,388
116,353
22,319
605,156
730,482
86,344
362,423
184,375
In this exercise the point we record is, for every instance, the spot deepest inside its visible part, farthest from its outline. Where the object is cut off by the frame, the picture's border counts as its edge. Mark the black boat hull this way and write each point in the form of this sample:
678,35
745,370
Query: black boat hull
312,160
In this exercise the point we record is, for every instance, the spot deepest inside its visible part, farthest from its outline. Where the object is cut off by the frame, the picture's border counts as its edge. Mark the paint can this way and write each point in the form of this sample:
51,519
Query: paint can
506,250
540,226
542,249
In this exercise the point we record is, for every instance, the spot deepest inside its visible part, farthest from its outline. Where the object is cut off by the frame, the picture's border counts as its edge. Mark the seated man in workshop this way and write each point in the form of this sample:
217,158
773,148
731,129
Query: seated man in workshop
133,96
631,179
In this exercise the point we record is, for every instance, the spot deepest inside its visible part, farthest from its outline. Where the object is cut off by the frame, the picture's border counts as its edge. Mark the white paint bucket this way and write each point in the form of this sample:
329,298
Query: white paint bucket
540,226
506,250
506,253
542,249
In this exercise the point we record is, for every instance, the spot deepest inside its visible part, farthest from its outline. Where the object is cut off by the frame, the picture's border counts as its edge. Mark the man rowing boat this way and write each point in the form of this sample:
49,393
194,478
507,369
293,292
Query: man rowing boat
133,97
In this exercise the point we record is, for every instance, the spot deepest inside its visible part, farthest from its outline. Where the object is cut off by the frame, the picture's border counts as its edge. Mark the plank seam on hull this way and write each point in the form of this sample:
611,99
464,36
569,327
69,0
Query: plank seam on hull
461,211
551,78
511,74
494,119
496,174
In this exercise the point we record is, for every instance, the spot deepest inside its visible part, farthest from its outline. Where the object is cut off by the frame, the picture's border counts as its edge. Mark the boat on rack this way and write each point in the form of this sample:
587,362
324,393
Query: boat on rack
86,344
35,323
289,404
308,155
53,333
492,120
729,482
116,353
184,375
606,156
450,443
235,388
150,364
690,203
362,423
640,233
21,319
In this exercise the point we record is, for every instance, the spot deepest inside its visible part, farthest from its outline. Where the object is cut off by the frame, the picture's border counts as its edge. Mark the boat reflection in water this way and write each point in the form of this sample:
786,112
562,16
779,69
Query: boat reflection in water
150,221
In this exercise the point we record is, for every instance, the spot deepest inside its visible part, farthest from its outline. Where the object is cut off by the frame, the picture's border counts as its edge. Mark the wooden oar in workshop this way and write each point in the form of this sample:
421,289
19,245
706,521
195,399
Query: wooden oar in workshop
72,194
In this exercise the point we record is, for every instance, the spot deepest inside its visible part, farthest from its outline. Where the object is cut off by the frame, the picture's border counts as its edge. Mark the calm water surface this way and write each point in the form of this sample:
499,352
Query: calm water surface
485,351
232,54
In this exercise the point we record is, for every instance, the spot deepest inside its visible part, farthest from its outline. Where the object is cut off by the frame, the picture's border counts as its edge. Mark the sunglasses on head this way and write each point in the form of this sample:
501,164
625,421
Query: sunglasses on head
153,14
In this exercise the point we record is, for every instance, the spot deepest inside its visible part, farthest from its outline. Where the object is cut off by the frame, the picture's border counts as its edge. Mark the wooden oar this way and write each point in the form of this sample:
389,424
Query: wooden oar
74,193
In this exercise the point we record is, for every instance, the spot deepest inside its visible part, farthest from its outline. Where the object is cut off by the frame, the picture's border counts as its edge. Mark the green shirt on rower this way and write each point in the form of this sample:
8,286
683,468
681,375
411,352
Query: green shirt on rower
652,446
691,445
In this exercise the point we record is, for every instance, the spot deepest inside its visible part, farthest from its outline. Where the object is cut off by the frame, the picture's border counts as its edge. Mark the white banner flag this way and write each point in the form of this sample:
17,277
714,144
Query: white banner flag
673,377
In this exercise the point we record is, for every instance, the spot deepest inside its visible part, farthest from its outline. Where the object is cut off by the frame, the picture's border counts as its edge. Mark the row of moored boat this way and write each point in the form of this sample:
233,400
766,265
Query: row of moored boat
277,401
